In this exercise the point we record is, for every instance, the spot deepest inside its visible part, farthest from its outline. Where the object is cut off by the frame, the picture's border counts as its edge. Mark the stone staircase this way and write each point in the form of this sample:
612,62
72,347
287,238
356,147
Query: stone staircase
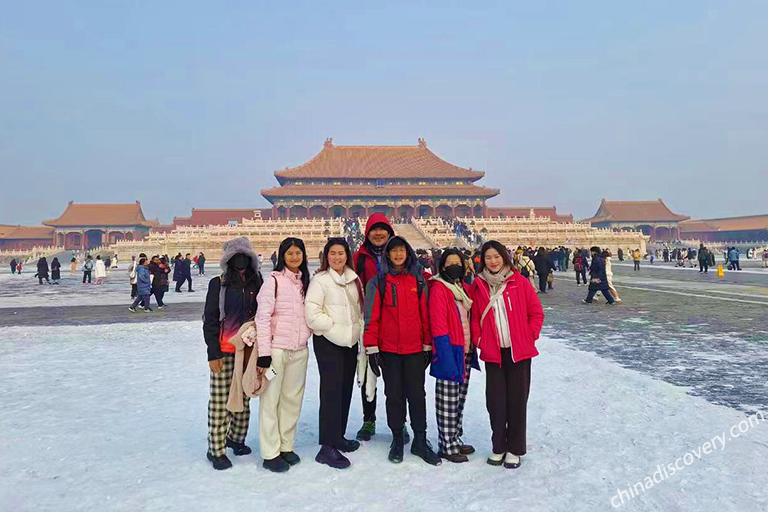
410,233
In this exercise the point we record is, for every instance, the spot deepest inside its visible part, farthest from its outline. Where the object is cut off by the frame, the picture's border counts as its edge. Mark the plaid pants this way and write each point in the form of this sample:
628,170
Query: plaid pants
450,398
223,424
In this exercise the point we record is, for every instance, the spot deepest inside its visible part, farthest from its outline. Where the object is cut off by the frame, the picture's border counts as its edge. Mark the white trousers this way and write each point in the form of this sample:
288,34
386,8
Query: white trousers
280,404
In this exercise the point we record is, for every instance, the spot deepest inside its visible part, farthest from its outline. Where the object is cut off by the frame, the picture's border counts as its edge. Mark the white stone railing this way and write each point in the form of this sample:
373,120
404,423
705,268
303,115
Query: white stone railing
34,252
422,231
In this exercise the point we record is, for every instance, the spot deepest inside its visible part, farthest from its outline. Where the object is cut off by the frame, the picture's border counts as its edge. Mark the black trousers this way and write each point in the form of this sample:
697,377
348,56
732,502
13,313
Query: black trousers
13,269
583,274
159,293
637,265
703,266
543,283
133,291
506,396
86,274
369,408
404,381
606,291
201,268
337,367
179,284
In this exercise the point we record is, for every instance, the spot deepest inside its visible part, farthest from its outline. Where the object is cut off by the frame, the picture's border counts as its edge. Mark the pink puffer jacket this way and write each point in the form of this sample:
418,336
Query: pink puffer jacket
280,321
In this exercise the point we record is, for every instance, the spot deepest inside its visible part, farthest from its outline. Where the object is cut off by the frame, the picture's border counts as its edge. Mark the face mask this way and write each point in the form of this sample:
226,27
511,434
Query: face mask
240,261
454,272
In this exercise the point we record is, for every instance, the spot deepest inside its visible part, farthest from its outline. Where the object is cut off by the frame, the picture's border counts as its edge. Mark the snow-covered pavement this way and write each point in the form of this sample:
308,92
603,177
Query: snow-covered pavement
113,417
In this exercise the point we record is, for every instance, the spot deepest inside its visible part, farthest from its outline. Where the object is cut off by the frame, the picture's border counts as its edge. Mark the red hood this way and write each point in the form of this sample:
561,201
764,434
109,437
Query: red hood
377,218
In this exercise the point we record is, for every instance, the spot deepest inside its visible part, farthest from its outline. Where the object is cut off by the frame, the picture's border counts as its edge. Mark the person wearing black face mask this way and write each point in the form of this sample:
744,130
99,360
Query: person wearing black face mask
453,355
230,302
240,261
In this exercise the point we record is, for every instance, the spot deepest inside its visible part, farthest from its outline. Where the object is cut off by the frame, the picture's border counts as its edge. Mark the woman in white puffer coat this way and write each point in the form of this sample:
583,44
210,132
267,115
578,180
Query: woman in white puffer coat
334,313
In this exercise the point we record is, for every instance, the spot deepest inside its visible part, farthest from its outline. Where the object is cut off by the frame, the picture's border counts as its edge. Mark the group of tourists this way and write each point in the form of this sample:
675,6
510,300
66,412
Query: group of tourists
375,313
148,277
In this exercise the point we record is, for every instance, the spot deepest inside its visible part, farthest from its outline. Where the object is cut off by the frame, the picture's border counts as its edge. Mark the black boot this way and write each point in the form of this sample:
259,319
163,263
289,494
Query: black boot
423,449
238,448
220,462
406,436
396,448
276,465
348,445
290,457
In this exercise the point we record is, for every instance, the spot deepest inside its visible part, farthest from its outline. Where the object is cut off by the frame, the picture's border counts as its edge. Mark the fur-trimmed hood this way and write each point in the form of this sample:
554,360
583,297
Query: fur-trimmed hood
238,246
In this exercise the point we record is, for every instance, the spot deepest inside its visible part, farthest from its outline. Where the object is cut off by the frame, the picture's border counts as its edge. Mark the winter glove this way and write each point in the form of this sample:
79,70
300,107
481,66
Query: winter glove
427,358
373,363
264,362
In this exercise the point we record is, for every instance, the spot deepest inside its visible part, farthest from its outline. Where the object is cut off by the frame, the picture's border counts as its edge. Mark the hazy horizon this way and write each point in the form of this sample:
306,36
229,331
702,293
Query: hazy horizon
191,104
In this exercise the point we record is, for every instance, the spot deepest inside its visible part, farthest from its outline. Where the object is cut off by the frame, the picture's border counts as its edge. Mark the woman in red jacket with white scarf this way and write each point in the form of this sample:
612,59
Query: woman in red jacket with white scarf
506,321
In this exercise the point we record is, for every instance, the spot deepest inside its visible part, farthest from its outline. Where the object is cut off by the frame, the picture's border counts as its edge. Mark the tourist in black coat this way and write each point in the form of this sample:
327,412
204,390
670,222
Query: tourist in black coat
184,269
544,266
42,270
55,271
159,270
598,280
13,266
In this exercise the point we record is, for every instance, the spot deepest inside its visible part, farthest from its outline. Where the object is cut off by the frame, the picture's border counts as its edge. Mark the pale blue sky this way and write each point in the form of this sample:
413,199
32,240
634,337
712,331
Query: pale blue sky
182,104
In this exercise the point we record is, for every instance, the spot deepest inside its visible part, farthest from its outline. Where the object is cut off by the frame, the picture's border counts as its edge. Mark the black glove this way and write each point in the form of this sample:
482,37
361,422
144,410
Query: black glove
427,358
373,362
264,361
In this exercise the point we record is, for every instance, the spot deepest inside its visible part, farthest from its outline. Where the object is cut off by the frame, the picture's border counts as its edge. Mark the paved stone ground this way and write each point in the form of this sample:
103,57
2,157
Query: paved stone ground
700,331
679,326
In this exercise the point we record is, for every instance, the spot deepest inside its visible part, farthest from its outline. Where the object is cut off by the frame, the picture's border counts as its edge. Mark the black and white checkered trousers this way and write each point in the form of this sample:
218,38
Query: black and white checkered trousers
450,398
223,424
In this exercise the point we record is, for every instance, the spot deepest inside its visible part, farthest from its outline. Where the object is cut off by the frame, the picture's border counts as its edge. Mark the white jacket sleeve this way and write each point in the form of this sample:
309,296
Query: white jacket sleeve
317,320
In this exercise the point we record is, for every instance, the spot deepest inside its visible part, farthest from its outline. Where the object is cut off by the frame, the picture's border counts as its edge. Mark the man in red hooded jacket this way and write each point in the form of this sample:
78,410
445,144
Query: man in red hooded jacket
368,261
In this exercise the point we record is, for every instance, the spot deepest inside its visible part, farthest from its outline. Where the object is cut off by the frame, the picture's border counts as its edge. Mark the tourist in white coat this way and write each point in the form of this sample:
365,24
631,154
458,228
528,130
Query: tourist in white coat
334,312
101,271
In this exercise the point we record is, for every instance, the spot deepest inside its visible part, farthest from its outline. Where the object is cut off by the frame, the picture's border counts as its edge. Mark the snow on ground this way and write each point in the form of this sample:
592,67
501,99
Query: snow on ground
113,417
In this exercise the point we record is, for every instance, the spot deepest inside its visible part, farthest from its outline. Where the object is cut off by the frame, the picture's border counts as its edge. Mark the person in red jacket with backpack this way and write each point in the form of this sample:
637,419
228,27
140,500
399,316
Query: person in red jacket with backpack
506,320
367,262
398,343
580,267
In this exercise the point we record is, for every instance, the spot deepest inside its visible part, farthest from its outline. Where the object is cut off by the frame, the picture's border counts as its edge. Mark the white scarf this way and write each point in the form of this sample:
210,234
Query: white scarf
458,292
496,284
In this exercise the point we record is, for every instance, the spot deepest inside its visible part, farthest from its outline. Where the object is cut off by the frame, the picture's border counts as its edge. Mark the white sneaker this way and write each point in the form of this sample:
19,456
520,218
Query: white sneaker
511,461
495,459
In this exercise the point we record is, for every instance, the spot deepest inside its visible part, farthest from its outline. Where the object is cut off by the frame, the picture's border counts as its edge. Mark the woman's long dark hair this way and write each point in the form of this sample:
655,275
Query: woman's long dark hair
331,242
493,244
284,246
232,275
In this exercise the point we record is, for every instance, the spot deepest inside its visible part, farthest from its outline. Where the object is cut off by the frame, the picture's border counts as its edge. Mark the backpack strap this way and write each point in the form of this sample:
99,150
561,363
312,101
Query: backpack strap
360,267
382,285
